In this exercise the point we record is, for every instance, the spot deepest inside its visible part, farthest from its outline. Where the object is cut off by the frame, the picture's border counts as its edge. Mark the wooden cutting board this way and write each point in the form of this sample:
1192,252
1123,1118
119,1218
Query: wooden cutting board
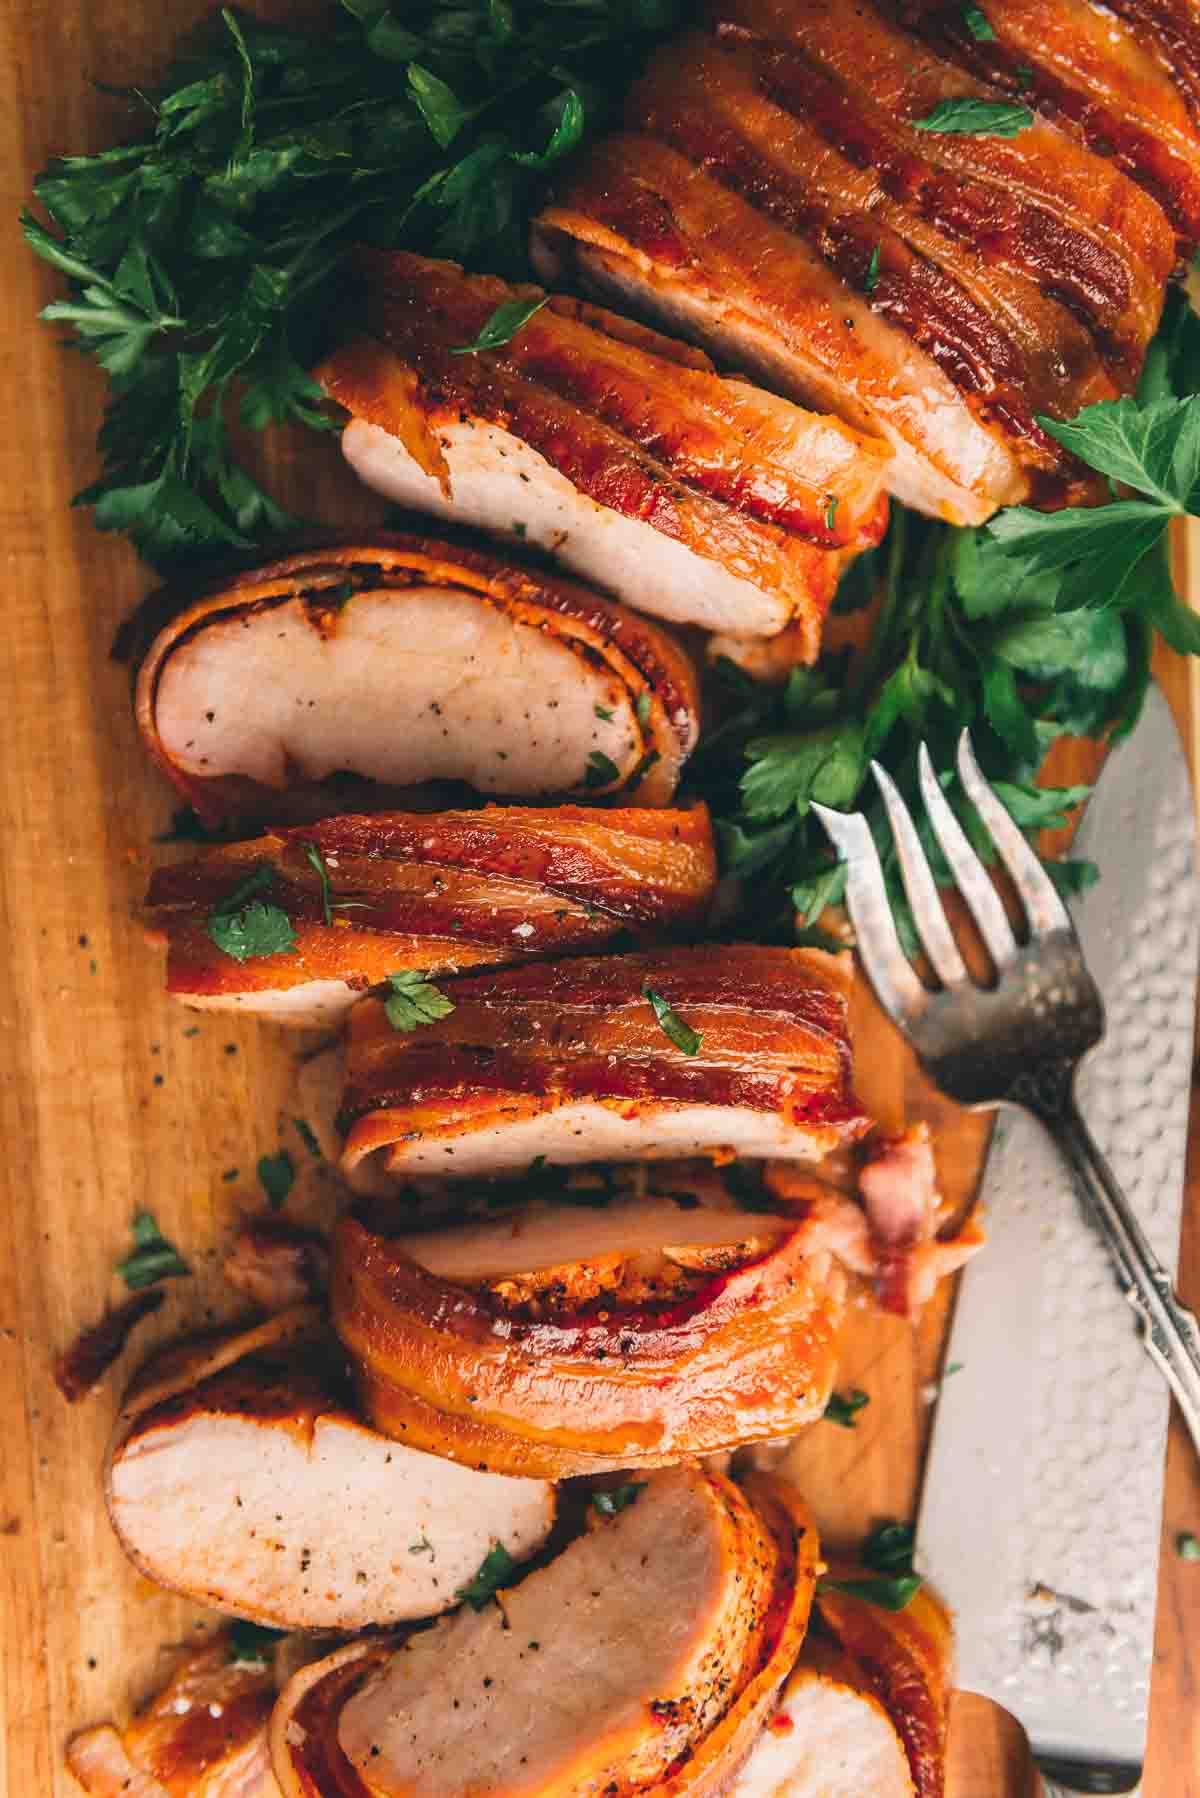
114,1101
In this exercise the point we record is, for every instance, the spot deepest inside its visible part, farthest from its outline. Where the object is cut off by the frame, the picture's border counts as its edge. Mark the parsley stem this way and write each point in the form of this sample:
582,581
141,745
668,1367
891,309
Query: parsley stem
877,649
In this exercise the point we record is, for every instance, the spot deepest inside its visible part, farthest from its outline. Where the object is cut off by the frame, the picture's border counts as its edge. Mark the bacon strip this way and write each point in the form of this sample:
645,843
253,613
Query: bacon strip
754,492
1100,76
364,670
437,891
491,1377
569,1062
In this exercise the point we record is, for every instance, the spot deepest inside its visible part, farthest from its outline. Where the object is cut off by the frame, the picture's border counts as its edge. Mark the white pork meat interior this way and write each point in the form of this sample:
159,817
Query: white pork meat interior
442,687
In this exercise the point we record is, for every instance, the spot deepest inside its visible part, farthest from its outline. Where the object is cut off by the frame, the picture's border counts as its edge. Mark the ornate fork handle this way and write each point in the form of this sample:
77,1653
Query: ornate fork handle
1170,1331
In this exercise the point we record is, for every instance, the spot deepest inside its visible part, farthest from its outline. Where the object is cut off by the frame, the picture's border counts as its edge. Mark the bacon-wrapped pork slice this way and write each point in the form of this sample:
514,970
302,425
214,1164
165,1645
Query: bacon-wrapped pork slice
245,1481
641,1662
906,1659
696,498
1127,85
372,896
829,1736
630,1057
570,1338
774,197
203,1736
363,670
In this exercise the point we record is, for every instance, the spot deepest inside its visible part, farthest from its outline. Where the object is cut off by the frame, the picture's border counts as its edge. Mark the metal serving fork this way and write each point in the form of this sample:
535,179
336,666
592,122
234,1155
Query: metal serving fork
1018,1042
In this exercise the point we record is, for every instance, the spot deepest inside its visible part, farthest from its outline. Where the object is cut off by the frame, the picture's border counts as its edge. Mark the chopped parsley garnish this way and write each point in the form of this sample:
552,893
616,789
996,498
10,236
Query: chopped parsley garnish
844,1409
683,1037
250,931
414,1000
979,25
509,317
888,1553
602,771
206,262
871,280
831,512
604,713
153,1258
1187,1546
276,1176
642,707
495,1571
307,1135
971,116
252,1644
619,1498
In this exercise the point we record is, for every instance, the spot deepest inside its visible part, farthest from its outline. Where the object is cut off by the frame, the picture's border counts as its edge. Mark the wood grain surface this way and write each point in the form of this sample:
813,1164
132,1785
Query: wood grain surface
114,1101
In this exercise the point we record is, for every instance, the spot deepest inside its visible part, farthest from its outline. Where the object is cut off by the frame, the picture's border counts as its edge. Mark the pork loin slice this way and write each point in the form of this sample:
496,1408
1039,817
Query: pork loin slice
695,498
828,1737
1096,74
381,666
569,1061
257,1491
368,897
203,1736
639,225
558,1344
641,1660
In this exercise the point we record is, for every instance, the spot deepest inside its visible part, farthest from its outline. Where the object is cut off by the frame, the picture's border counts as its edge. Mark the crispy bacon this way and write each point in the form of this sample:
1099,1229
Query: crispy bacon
80,1368
589,1366
697,498
437,891
905,1658
773,197
364,670
203,1736
1127,86
729,1570
568,1061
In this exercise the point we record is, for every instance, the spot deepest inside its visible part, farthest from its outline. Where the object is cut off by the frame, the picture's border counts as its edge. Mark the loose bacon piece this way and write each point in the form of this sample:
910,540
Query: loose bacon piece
655,1332
1101,76
255,1489
696,498
203,1736
79,1369
437,891
891,1236
276,1264
560,1686
376,667
568,1061
905,1657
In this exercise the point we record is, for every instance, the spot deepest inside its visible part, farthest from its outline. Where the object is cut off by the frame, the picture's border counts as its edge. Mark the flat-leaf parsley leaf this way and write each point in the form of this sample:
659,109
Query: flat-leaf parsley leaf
414,1000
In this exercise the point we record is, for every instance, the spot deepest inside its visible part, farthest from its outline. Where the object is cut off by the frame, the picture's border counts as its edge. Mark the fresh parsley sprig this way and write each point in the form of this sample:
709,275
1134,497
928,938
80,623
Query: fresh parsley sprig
495,1571
206,258
413,1000
153,1258
249,931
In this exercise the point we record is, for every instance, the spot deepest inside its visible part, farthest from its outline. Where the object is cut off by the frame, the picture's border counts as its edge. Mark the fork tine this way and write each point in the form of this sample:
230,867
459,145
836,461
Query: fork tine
970,875
899,991
1043,907
920,886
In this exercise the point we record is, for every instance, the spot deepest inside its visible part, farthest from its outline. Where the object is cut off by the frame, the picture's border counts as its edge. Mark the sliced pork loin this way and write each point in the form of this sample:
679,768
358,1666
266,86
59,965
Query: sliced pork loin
641,1661
696,498
774,197
368,897
254,1488
276,1264
351,674
578,1335
830,1736
569,1062
1126,85
203,1736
